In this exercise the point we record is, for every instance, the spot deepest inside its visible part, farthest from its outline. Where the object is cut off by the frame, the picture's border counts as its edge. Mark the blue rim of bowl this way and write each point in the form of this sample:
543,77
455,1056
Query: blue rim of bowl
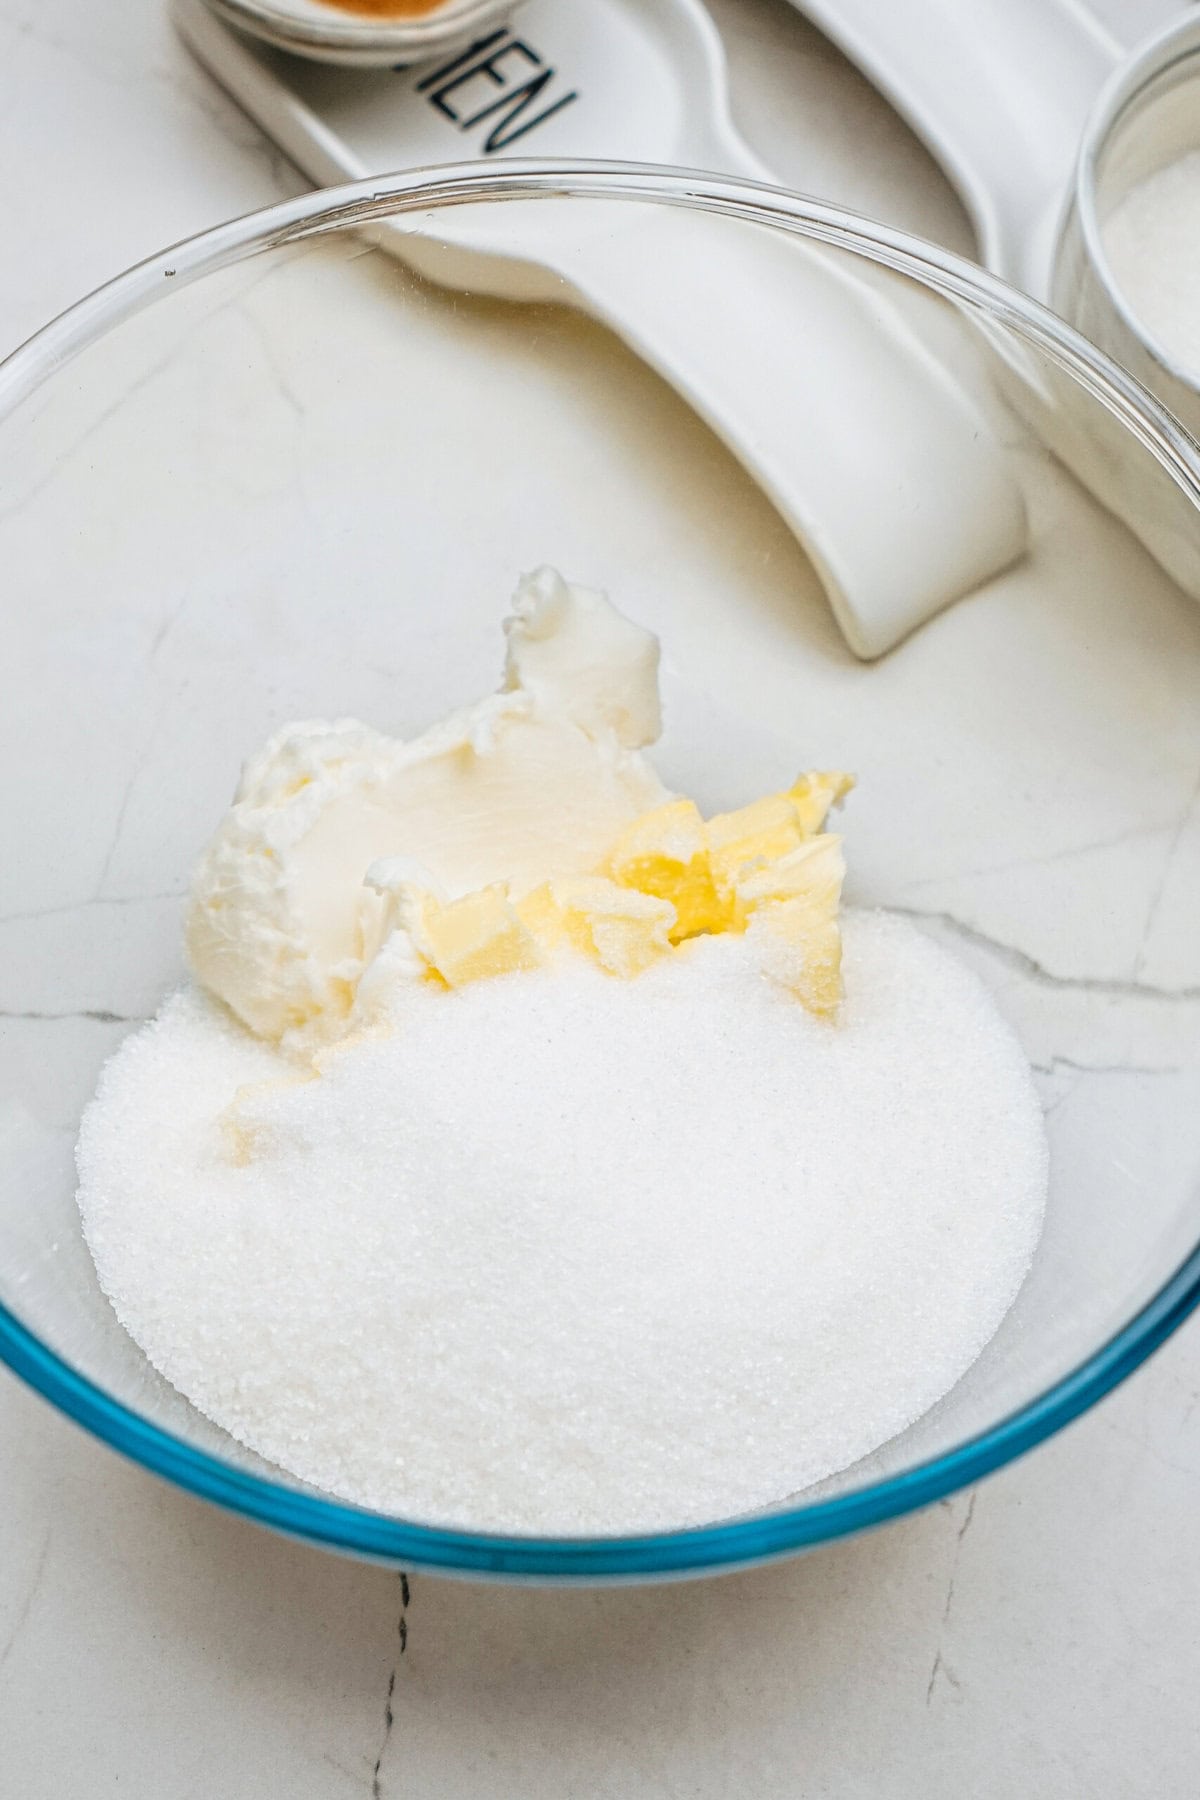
656,1556
660,1555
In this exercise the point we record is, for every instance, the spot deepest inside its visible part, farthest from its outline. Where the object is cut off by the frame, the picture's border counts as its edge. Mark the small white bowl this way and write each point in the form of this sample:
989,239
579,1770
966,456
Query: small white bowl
322,31
1146,117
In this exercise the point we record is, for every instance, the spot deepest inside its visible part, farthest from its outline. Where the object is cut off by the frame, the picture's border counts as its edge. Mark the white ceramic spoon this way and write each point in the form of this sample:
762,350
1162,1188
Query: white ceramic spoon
872,453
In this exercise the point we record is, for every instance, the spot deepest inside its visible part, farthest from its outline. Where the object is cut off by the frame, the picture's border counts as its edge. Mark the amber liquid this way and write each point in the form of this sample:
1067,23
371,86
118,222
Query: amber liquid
386,9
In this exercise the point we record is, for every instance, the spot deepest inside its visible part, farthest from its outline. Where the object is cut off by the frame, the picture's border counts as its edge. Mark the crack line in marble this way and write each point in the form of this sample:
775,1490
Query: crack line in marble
940,1665
167,626
1027,965
1171,1463
89,432
23,1612
389,1716
139,769
1081,1068
98,1016
119,824
1130,836
70,906
1168,864
175,351
283,387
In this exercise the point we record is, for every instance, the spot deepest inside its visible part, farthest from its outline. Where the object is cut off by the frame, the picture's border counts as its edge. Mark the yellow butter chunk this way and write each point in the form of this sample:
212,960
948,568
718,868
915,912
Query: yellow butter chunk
814,872
792,908
803,953
707,870
759,835
474,938
761,832
665,853
542,917
814,796
244,1134
670,876
623,930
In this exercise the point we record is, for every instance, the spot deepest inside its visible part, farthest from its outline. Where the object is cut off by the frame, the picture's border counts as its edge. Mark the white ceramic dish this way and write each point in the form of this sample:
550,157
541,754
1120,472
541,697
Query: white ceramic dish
836,391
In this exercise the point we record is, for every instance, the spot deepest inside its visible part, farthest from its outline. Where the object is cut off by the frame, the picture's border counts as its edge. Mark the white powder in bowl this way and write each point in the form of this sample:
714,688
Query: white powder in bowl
568,1254
1152,240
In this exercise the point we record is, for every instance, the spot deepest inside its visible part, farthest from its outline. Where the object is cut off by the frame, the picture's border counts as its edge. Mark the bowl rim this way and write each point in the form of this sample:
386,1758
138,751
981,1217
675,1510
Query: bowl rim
697,1550
1177,44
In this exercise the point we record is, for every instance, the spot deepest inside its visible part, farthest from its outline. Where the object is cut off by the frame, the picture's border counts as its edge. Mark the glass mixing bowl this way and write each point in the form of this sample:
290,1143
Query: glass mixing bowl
275,474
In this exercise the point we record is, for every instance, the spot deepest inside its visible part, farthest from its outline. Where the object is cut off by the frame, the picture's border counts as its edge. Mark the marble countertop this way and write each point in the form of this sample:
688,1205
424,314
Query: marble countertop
1036,1636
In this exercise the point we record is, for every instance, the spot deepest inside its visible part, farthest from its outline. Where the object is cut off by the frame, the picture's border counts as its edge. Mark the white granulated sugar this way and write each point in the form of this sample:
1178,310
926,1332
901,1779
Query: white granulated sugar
567,1254
1152,240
